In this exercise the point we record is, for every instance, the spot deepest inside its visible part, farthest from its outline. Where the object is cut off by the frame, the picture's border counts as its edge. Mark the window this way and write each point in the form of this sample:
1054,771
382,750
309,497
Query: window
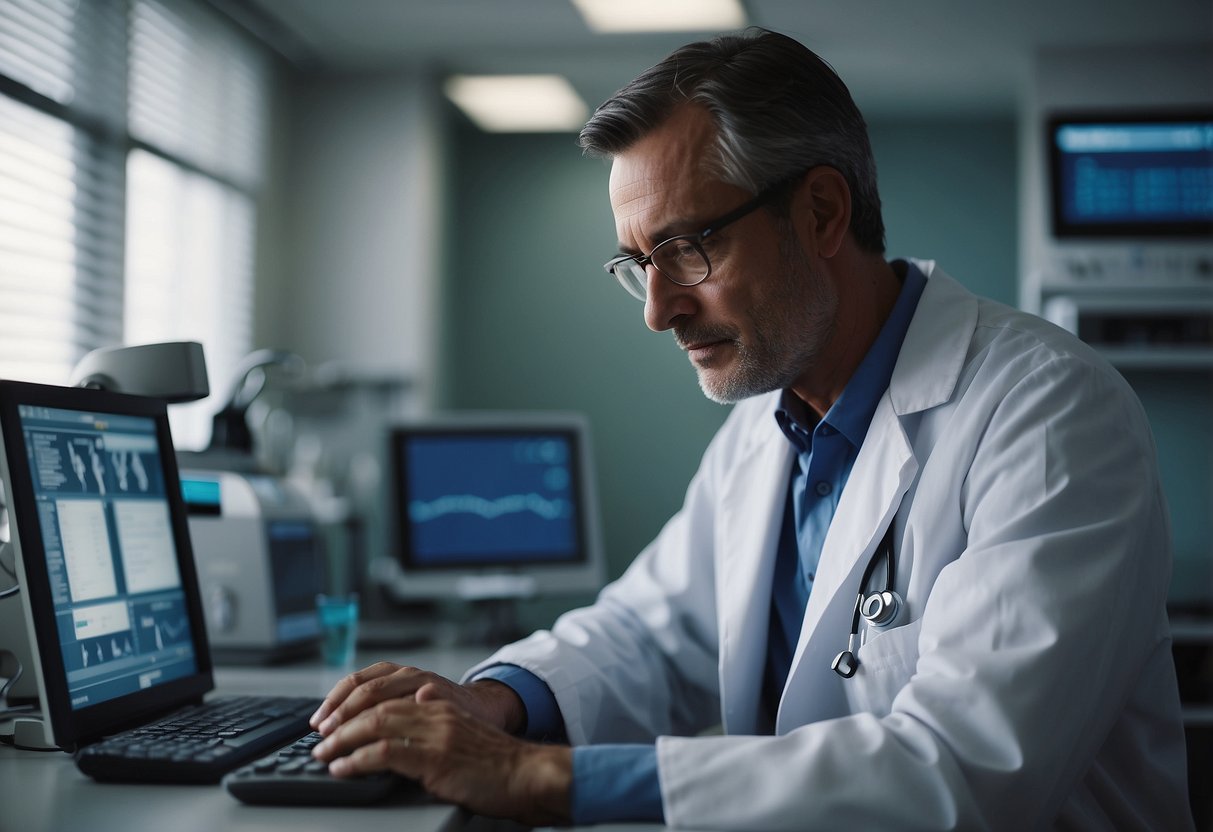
132,154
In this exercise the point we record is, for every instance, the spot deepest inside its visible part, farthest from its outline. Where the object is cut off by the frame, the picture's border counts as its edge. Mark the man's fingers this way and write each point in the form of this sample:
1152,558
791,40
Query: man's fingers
345,687
388,720
455,757
384,754
487,699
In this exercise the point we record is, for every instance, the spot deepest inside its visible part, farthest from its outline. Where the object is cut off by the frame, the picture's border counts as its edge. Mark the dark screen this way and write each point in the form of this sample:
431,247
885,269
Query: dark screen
1127,177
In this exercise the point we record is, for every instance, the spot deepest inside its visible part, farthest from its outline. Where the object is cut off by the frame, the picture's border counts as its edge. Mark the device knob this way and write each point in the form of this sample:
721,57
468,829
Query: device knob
221,603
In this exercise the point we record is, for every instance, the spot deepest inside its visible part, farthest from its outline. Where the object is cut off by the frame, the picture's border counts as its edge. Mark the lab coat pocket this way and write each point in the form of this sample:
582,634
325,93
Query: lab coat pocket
886,663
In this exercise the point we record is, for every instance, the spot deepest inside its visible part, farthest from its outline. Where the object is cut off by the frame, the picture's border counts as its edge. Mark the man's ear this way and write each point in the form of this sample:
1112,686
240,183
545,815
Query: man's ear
821,210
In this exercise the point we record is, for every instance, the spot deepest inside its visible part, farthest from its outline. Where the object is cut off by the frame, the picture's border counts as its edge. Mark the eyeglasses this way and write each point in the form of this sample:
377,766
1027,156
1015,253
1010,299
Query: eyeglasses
682,258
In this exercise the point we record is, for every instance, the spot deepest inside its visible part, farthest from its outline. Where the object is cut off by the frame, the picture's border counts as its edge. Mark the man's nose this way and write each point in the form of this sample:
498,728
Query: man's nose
666,301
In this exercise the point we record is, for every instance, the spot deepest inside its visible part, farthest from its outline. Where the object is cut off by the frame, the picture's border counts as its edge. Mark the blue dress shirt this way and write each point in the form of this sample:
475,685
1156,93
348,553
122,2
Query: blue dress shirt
620,782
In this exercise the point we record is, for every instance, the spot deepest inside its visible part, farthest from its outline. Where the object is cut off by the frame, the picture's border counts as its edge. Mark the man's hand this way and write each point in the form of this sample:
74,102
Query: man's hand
456,756
489,701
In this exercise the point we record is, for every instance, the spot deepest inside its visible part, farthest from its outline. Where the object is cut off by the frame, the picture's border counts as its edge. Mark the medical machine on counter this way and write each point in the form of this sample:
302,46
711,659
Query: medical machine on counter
259,562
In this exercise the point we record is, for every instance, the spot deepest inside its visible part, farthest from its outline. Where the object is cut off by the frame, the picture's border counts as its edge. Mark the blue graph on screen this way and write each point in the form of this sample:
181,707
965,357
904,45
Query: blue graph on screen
487,509
490,499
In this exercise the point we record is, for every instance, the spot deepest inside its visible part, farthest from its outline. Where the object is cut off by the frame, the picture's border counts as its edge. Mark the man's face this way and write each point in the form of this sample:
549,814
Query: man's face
759,321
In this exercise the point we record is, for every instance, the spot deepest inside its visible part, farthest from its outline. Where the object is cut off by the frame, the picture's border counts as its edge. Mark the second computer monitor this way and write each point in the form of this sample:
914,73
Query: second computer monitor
494,505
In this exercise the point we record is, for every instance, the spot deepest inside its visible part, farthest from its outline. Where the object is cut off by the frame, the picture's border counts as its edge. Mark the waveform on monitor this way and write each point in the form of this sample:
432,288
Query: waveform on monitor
421,511
173,629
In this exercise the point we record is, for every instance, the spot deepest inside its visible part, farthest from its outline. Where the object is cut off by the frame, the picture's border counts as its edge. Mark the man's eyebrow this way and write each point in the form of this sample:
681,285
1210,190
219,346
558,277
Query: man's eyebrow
670,229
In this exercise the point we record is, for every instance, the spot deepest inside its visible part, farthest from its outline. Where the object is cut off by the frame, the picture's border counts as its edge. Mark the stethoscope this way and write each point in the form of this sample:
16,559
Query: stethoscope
880,609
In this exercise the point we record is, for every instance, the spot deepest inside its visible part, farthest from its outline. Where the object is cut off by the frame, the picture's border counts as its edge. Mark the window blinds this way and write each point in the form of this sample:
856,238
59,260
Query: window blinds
132,151
198,99
198,91
61,186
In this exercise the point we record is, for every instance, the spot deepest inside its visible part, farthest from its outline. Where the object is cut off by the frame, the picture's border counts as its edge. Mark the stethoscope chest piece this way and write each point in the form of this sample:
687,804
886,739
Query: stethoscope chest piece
881,610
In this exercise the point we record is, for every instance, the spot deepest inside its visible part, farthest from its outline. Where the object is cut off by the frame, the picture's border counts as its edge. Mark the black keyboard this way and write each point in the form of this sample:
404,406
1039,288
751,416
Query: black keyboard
292,777
201,743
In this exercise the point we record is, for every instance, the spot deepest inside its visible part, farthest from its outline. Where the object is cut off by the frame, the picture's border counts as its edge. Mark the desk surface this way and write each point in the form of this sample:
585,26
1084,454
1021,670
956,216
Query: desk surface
44,792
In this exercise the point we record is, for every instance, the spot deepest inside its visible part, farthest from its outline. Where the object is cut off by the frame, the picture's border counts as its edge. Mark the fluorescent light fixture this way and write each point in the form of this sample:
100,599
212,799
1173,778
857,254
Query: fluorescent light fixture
661,15
518,103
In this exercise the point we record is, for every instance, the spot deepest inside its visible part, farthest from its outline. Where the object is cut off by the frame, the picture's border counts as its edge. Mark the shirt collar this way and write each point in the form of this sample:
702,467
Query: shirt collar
851,414
796,421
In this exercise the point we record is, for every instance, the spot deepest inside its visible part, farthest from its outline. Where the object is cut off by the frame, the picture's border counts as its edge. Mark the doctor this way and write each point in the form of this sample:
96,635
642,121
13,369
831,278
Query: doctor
919,578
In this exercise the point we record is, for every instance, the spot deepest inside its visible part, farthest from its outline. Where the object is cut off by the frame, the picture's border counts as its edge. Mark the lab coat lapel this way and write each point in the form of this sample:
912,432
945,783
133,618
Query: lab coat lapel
882,473
750,521
927,372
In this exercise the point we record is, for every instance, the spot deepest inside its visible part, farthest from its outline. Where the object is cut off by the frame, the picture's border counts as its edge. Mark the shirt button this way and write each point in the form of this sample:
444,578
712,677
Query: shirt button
826,430
823,488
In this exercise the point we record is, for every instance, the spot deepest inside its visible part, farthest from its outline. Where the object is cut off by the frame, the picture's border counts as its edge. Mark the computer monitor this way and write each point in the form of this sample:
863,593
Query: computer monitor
111,610
489,506
1132,174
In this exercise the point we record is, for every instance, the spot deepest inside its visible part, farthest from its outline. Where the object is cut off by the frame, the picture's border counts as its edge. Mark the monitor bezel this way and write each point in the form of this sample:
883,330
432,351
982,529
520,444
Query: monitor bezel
75,727
584,573
1067,230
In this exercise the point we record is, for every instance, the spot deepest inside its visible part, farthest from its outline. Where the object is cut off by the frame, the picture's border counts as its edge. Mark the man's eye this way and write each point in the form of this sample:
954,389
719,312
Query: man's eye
680,250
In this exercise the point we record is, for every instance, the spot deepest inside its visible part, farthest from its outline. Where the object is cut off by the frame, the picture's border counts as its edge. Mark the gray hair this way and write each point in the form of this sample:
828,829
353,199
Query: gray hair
778,108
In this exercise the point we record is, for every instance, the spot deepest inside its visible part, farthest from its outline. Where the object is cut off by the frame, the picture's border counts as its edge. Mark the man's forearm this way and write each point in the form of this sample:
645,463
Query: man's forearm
541,718
502,705
546,781
608,782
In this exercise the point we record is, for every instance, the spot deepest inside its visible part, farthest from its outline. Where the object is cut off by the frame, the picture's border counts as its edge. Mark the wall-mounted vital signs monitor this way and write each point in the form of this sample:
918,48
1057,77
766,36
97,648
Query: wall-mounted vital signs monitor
494,506
1132,174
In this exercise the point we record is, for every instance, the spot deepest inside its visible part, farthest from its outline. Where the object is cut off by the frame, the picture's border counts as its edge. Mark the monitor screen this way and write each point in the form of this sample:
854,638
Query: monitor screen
106,568
1132,175
494,496
110,554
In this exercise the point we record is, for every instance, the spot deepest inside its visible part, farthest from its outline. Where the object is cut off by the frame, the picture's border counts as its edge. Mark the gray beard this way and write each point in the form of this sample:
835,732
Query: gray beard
790,328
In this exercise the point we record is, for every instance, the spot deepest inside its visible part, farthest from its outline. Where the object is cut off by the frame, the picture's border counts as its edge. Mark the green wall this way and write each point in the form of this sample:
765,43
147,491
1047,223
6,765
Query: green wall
533,322
949,193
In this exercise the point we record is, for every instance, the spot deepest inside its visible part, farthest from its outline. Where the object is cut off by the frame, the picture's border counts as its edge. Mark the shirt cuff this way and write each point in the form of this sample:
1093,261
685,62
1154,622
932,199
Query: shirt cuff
614,783
543,720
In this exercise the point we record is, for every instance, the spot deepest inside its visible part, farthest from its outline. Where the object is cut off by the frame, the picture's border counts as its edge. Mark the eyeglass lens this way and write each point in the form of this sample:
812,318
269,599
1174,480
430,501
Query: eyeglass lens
679,258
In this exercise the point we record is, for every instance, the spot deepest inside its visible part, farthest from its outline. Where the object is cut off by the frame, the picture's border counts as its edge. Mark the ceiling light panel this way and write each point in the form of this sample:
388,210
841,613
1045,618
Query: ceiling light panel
661,15
518,103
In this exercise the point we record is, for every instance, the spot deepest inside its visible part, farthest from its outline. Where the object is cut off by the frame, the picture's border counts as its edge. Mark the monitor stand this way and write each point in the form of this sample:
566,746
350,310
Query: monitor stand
495,587
20,685
493,623
19,680
490,602
494,605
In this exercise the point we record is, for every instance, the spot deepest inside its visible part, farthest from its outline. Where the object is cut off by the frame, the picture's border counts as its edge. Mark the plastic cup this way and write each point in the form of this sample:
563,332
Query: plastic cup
339,628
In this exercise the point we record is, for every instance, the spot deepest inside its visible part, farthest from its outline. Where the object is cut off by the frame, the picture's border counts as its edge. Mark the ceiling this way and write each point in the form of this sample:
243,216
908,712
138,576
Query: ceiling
897,56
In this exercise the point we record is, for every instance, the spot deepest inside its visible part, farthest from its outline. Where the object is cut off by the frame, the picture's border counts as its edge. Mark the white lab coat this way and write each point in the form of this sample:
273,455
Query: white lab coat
1033,686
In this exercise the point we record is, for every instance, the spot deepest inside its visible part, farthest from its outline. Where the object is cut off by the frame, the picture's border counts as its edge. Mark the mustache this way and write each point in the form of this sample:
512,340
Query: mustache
687,336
